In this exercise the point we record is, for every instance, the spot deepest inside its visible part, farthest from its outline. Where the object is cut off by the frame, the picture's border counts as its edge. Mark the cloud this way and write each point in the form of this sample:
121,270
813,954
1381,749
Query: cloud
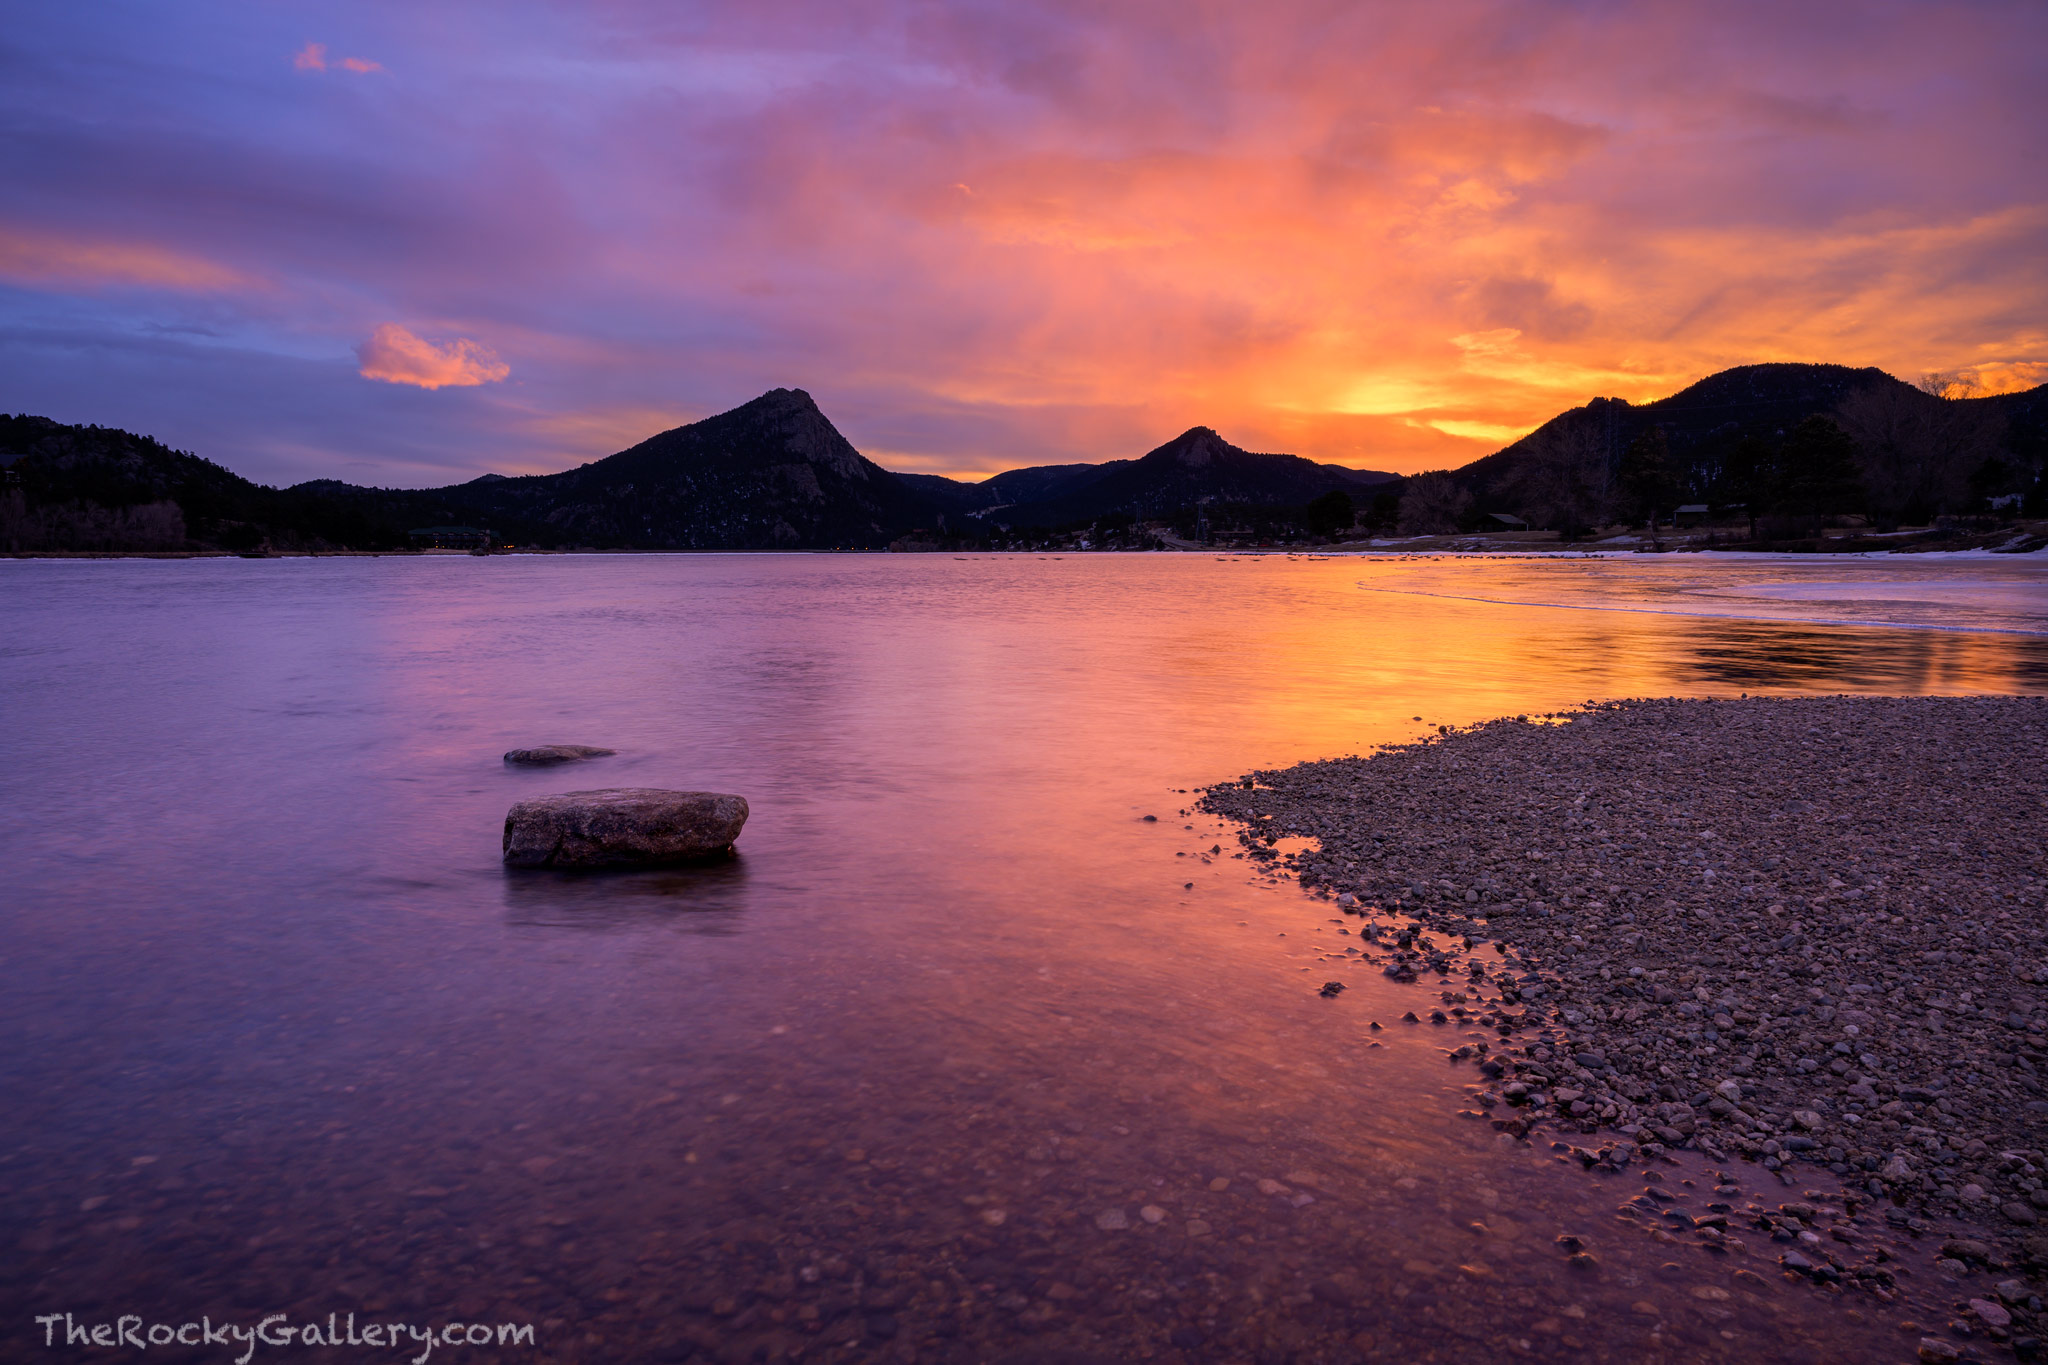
396,355
313,57
51,261
1499,355
1491,432
1385,394
1500,341
1994,377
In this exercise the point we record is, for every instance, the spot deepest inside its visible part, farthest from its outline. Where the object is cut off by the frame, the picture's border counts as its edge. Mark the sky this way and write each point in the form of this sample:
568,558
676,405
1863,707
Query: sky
406,244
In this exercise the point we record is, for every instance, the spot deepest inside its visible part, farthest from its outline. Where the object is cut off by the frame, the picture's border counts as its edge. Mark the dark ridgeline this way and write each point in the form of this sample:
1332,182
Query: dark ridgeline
775,474
1739,437
771,474
1720,409
96,488
1195,467
1011,488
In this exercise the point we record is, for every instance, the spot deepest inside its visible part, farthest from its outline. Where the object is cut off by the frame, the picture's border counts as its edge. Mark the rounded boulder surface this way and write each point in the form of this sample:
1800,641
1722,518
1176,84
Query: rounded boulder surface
547,754
621,827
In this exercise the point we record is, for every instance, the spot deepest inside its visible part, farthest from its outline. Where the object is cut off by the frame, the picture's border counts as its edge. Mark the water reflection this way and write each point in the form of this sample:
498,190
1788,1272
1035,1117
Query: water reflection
702,898
1782,658
881,1086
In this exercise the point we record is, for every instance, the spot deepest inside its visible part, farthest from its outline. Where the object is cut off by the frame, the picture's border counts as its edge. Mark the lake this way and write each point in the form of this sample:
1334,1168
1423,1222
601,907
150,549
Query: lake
961,1057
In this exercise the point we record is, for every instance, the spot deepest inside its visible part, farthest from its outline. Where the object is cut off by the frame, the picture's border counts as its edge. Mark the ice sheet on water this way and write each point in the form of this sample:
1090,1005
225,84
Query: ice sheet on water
1927,592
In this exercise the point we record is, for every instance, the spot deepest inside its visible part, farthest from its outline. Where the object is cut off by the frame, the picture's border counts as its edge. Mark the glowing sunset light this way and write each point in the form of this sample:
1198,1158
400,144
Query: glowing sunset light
2001,377
1003,233
1492,432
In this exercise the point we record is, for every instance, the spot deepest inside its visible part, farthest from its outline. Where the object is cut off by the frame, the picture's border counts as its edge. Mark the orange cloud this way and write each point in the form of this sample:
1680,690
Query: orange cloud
2006,376
1493,433
40,259
396,355
1419,309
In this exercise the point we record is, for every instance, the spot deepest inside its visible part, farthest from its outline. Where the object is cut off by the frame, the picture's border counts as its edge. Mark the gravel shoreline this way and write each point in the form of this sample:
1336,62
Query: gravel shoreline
1806,932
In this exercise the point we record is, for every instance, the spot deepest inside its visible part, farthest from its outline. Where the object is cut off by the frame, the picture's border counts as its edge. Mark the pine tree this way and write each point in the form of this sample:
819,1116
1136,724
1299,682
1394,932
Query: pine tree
1331,513
1747,475
1820,476
1647,483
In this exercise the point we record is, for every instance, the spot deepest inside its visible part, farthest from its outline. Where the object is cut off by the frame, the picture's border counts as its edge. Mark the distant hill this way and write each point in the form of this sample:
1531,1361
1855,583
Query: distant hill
1194,467
1720,409
1917,451
773,474
92,488
1035,483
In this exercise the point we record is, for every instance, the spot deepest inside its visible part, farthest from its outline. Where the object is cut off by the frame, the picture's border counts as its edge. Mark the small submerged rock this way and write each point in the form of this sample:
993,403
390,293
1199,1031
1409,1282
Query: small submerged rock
621,826
546,755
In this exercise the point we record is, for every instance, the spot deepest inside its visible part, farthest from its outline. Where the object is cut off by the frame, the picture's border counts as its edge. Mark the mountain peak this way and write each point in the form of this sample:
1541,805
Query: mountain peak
1195,447
787,422
784,400
806,432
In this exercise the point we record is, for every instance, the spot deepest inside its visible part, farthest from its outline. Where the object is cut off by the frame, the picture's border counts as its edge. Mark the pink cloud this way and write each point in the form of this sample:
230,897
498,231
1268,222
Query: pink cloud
313,57
396,355
44,260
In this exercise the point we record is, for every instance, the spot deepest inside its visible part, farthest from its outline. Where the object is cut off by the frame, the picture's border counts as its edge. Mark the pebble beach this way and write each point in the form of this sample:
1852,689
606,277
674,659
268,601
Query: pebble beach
1802,933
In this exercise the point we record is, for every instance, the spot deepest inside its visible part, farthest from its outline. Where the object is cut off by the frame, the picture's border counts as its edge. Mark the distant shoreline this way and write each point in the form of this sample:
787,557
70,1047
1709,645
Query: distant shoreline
1435,548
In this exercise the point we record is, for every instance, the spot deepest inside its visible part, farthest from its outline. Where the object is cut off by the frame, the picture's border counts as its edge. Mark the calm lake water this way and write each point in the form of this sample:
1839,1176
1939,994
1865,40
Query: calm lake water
960,1059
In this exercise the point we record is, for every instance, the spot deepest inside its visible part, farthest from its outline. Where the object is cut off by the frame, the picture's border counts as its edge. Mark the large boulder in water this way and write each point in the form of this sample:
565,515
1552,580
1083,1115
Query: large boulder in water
621,827
547,754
